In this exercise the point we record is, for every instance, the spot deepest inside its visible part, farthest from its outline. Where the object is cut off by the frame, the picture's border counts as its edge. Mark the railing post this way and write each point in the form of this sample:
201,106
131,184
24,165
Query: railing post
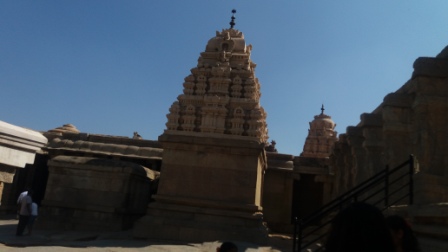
411,179
299,240
386,187
294,240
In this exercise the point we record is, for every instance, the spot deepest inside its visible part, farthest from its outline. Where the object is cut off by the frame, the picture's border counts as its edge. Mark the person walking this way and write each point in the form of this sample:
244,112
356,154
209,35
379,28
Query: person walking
25,212
33,217
19,199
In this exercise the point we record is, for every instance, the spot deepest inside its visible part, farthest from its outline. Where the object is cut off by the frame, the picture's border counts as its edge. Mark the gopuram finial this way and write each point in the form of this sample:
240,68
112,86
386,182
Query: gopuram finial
232,22
322,109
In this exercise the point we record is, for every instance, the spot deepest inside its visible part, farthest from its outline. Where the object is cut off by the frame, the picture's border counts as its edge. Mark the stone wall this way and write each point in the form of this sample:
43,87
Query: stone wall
94,194
277,192
210,188
18,148
412,120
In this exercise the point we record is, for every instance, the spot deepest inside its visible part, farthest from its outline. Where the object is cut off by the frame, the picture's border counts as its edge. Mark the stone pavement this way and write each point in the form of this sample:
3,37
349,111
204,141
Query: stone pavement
68,241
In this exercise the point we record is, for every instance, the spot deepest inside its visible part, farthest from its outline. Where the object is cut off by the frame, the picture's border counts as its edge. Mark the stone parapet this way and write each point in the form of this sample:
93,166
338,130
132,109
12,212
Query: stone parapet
430,67
210,140
370,120
102,148
398,100
18,145
280,161
105,139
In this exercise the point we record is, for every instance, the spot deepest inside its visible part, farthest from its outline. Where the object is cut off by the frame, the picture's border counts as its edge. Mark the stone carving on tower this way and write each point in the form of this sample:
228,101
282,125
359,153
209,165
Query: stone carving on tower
222,94
321,137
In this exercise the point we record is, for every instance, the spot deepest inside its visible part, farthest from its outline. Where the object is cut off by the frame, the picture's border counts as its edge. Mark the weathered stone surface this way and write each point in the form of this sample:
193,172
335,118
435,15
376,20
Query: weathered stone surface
111,147
18,145
187,223
94,194
216,176
277,192
210,168
431,67
6,174
342,167
412,120
277,198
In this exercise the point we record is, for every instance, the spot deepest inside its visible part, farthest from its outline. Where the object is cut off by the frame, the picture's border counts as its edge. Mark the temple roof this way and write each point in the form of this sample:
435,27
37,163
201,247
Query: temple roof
105,148
65,128
322,120
221,95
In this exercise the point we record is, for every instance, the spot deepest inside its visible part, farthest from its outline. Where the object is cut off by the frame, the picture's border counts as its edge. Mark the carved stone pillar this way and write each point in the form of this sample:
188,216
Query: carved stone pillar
397,123
355,140
373,143
341,166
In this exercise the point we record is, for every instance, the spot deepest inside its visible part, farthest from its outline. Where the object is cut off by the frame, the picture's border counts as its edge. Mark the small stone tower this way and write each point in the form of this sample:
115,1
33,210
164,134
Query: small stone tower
321,137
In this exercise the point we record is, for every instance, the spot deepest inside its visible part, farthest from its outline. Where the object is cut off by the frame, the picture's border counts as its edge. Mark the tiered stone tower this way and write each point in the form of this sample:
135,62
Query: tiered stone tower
214,157
321,137
221,95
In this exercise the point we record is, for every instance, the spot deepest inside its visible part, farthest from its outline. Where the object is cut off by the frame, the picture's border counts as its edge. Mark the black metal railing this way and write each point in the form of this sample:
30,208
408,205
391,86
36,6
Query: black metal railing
389,187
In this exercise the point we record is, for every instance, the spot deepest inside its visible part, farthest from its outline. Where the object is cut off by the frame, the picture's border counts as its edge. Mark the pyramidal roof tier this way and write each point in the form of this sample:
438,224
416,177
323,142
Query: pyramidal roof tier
222,94
321,137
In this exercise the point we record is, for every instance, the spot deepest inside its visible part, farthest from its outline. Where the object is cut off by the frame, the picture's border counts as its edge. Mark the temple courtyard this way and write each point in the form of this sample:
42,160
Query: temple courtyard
68,241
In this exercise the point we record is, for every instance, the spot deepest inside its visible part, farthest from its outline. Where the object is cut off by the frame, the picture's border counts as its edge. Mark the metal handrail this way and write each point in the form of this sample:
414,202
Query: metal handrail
380,182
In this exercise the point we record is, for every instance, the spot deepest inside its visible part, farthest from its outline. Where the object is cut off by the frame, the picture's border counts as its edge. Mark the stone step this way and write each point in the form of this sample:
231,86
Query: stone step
431,231
314,248
401,210
318,245
434,214
433,245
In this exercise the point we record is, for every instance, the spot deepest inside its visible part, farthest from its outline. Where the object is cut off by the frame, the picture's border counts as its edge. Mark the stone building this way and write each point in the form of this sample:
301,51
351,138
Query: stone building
85,181
213,151
18,149
411,120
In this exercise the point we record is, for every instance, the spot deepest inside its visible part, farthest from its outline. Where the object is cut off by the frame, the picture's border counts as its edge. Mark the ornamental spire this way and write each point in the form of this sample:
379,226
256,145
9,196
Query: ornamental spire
232,22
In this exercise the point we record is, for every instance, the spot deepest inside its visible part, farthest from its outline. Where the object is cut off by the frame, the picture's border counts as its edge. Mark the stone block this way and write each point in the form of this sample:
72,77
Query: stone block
7,173
398,100
370,120
85,193
430,189
207,225
431,67
209,185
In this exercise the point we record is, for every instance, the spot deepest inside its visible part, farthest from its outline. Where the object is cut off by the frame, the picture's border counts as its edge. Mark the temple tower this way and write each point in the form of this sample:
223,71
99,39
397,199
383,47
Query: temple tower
321,137
313,178
214,157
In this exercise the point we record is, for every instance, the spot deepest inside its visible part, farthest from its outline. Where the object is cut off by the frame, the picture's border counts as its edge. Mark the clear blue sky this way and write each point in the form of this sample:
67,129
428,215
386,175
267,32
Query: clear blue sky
114,67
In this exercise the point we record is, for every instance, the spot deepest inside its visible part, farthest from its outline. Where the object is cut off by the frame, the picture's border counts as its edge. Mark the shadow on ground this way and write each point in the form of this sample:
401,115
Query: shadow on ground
120,241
